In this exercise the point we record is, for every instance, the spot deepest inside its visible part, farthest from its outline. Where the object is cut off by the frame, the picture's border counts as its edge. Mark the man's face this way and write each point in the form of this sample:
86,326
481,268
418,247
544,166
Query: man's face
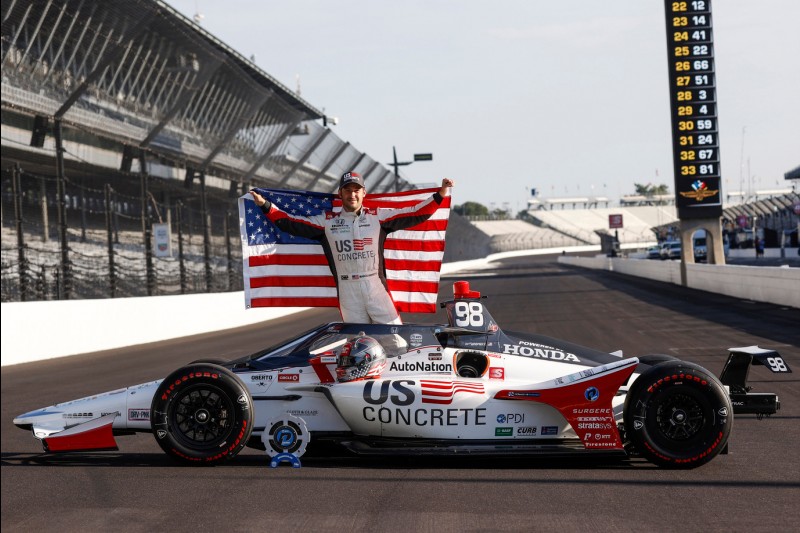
352,196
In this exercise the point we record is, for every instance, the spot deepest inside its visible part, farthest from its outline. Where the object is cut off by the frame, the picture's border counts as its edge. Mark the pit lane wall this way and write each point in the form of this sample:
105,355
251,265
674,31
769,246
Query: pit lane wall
777,285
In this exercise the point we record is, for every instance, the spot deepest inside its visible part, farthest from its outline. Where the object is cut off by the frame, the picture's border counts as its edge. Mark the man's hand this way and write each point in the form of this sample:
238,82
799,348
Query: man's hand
446,184
257,198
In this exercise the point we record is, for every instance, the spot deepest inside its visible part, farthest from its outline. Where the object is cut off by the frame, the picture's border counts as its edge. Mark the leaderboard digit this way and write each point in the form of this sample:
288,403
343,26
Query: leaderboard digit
693,103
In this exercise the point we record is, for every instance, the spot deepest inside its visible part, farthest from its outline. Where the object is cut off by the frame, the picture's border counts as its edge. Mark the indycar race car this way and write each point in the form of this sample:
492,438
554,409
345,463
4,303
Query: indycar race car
465,387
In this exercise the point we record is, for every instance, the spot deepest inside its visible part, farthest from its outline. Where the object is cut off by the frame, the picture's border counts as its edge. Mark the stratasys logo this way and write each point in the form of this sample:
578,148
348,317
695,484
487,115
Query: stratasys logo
541,353
420,366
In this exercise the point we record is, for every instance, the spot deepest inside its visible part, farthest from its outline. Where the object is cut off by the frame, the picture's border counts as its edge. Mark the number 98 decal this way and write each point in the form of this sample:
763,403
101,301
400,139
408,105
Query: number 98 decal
469,314
777,364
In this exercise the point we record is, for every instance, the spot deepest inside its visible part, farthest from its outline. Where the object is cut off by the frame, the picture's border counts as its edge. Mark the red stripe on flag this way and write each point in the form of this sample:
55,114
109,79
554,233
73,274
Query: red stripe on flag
415,307
287,259
294,302
429,225
413,286
292,281
382,203
406,264
413,245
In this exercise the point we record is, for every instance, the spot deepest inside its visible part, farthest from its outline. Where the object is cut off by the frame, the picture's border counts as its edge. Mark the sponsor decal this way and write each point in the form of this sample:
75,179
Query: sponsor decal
594,425
541,353
261,377
303,412
503,432
242,399
472,344
425,417
723,411
78,415
327,359
591,411
415,339
139,414
420,366
522,394
497,373
400,394
161,433
433,391
292,378
638,424
591,394
434,357
549,430
511,418
526,431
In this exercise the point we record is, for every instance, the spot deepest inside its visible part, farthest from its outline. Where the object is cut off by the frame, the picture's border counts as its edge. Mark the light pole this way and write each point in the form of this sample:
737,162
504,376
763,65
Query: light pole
396,164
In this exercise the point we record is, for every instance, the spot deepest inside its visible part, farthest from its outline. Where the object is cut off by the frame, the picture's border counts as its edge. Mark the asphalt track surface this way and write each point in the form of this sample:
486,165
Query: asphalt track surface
756,487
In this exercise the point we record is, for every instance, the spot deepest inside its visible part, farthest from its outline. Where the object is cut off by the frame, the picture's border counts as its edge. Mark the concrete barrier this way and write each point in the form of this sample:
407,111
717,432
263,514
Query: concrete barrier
33,331
777,285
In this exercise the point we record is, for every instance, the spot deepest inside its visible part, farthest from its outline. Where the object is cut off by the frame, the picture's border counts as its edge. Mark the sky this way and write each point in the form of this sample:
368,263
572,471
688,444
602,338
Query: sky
570,98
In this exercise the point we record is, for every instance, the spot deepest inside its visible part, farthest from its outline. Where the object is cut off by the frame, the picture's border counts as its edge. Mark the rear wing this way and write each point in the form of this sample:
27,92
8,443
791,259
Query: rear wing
734,375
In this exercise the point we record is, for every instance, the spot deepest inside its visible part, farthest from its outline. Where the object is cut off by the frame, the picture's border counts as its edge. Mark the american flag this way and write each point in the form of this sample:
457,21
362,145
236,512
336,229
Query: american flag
281,270
442,392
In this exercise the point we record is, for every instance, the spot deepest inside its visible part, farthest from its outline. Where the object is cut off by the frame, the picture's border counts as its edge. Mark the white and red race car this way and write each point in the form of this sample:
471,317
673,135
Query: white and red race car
466,387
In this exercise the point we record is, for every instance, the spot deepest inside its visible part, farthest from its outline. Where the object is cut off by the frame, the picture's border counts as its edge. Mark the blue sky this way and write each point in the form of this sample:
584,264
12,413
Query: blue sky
569,97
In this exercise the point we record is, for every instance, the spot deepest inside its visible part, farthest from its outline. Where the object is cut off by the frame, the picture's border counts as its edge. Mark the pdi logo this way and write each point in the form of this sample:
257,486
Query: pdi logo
511,418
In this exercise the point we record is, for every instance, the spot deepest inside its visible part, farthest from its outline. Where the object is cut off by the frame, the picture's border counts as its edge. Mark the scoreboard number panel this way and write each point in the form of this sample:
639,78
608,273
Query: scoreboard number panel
693,105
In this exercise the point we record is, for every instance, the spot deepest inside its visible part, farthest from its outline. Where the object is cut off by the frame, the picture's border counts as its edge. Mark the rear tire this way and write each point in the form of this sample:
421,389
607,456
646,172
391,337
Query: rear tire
202,414
678,415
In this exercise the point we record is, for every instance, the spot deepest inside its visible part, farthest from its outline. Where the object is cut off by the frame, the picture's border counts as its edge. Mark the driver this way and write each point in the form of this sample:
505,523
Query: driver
360,358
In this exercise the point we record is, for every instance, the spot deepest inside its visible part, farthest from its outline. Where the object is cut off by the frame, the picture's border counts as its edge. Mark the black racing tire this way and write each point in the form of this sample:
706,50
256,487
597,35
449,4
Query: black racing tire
202,414
678,415
653,359
209,360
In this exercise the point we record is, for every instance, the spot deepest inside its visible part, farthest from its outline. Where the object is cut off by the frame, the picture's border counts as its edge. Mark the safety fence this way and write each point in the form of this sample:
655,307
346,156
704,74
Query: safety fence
95,237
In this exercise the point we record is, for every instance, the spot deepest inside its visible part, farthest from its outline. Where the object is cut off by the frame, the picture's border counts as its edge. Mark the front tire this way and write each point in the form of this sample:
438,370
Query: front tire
678,415
202,414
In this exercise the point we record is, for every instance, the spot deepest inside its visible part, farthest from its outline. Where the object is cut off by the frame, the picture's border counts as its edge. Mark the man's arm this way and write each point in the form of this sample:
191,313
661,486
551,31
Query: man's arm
309,227
398,219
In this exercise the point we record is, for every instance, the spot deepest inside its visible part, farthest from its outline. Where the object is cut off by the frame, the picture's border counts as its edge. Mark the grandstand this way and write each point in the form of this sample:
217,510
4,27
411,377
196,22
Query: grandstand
120,114
511,235
583,224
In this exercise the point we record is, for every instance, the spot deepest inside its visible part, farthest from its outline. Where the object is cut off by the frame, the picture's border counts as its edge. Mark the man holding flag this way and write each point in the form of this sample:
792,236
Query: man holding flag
353,242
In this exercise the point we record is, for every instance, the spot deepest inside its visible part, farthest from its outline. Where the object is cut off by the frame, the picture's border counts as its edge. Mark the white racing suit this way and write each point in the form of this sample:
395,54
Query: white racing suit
353,244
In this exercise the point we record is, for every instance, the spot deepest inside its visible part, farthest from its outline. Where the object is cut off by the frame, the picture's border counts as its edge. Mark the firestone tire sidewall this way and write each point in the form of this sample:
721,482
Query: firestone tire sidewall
678,415
231,399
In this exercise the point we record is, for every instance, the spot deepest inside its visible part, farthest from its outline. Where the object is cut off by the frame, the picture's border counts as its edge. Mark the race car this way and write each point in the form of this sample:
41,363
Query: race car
465,387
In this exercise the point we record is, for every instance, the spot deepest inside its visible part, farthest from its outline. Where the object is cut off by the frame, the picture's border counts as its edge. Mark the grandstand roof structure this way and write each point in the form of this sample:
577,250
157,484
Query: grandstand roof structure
126,77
